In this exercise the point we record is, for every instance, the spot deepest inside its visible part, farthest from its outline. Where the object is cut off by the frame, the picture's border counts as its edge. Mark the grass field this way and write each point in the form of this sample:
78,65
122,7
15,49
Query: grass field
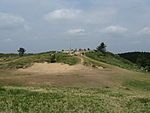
83,89
71,100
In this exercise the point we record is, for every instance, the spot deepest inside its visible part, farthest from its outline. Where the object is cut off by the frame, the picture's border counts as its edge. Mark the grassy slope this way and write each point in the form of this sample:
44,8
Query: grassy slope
111,59
142,59
71,100
67,59
134,56
133,99
14,62
131,95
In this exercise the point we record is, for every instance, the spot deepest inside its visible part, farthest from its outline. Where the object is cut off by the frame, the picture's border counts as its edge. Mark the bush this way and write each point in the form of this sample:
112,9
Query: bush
67,59
53,58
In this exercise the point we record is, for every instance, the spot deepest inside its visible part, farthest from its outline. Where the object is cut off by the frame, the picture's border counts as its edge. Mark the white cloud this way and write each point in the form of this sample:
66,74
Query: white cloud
62,14
10,21
8,40
27,28
101,16
76,31
145,31
114,29
136,42
83,16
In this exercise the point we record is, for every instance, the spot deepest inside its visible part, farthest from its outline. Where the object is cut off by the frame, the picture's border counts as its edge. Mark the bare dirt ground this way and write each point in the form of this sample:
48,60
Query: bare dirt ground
52,68
58,74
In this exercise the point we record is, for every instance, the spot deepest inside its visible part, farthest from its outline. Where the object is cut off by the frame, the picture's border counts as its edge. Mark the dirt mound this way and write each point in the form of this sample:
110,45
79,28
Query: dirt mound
52,68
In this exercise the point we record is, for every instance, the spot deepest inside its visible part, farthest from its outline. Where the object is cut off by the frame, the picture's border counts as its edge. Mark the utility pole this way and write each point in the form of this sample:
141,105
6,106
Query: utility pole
70,46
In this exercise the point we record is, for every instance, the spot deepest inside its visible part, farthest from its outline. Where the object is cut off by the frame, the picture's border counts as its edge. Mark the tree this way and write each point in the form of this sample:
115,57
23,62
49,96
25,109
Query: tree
102,47
53,58
21,51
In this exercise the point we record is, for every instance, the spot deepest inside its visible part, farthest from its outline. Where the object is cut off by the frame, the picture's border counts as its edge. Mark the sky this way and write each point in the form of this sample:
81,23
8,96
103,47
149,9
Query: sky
44,25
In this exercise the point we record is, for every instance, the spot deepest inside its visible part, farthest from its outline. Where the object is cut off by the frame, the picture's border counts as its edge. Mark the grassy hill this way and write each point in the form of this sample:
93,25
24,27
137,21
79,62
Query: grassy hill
112,59
85,90
92,58
142,59
14,61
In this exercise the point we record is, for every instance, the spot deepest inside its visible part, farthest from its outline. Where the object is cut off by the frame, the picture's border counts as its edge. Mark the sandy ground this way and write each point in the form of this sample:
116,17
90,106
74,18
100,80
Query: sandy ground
58,74
52,68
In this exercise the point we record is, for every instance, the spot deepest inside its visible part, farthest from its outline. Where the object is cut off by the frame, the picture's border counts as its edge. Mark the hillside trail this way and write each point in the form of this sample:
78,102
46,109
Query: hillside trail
80,56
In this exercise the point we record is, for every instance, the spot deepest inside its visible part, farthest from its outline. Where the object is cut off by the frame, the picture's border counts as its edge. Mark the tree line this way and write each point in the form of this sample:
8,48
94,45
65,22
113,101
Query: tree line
142,59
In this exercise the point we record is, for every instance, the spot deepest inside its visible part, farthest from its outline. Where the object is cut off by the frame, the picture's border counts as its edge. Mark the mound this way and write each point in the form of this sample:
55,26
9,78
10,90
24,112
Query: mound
52,68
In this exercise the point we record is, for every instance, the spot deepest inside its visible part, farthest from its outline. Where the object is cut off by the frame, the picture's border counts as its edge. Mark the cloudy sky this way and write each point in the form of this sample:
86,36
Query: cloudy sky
43,25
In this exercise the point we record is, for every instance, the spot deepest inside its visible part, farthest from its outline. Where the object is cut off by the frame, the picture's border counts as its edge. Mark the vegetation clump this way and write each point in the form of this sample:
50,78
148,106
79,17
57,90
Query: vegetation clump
53,58
21,51
101,47
67,59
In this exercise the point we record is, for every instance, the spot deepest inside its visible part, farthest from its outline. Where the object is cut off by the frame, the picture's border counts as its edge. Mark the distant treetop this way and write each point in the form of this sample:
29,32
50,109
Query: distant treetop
21,51
102,47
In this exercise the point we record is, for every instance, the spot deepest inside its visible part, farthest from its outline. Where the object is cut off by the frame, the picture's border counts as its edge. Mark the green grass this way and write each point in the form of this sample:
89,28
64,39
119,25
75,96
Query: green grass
25,61
8,55
129,94
112,59
94,63
67,59
137,84
71,100
28,60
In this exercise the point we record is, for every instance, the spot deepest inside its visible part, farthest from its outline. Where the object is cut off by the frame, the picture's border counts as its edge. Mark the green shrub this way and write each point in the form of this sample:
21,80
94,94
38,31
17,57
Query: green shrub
67,59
